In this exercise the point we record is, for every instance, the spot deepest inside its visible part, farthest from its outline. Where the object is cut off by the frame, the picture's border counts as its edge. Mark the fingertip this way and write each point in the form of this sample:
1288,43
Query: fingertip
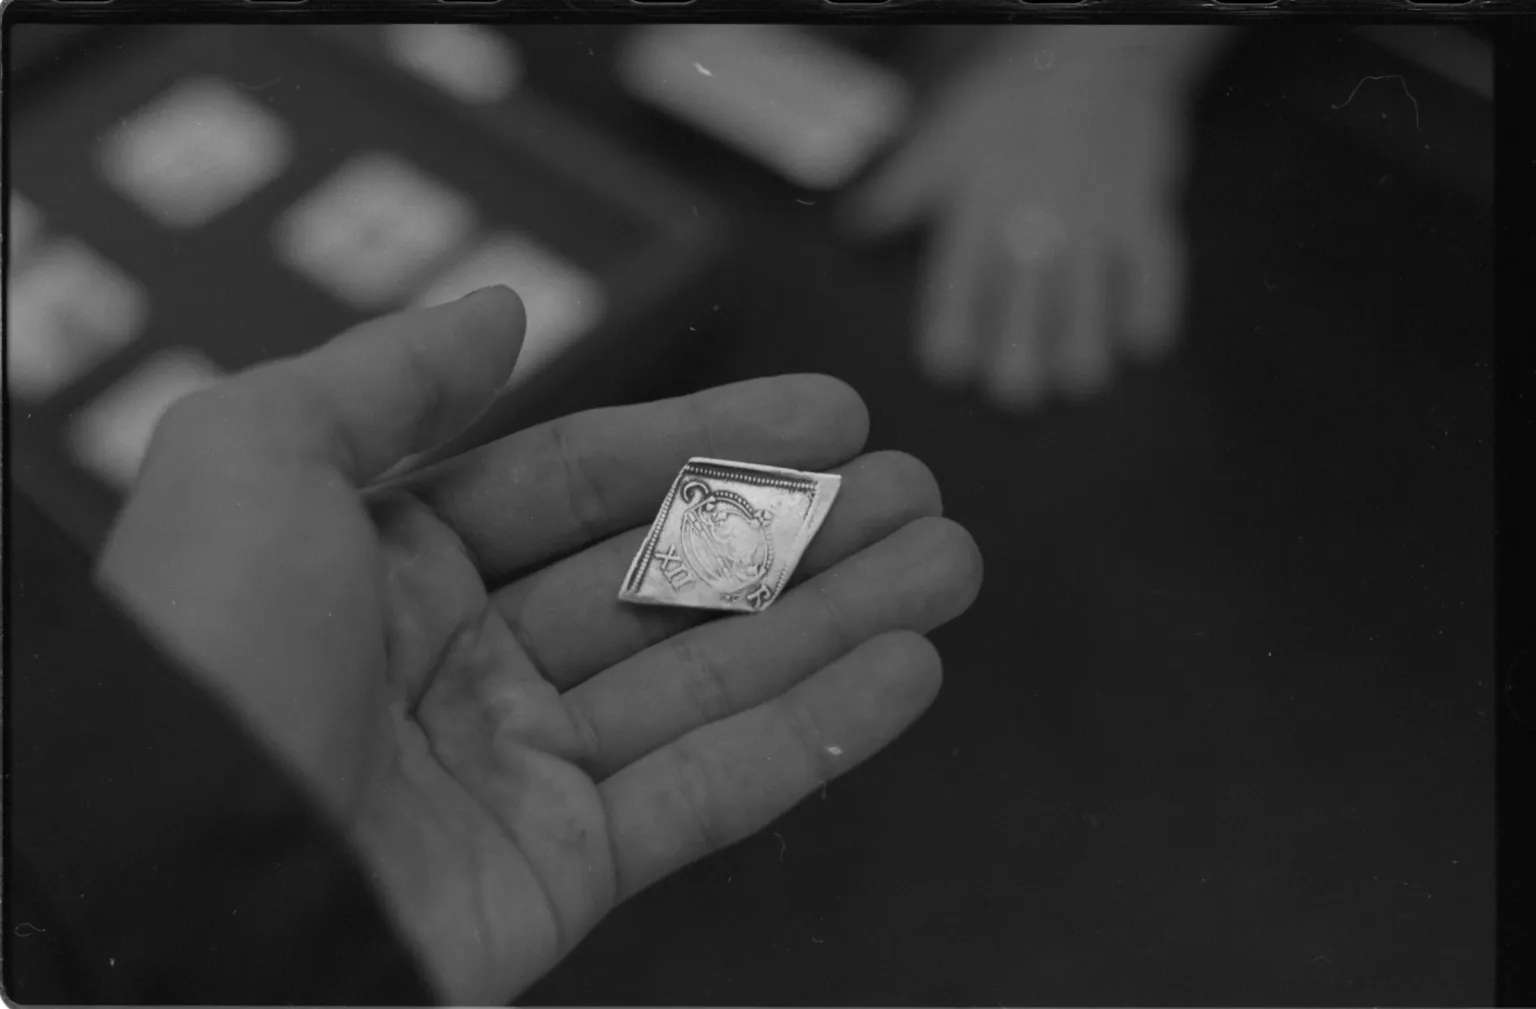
947,341
916,663
500,299
942,362
396,385
970,564
1016,400
485,329
907,479
1015,381
945,347
808,421
891,678
1157,291
947,553
831,402
886,203
1015,395
498,310
1152,342
1084,371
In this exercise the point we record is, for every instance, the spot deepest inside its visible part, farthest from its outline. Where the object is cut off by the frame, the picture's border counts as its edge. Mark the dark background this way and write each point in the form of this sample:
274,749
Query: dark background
1219,728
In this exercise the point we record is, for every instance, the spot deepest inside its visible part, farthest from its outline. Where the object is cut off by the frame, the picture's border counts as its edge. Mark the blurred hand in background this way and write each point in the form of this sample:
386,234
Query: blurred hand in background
1050,170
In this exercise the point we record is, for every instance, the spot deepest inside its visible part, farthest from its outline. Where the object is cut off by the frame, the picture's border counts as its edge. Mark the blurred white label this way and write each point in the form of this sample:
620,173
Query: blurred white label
26,221
66,311
200,149
371,233
811,110
562,300
110,435
470,62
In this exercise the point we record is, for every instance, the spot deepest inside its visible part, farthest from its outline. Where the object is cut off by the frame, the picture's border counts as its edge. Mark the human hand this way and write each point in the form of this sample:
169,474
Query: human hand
442,660
1050,170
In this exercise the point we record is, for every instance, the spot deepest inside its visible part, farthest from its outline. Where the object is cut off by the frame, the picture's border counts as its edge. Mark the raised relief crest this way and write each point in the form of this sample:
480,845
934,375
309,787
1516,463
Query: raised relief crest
728,535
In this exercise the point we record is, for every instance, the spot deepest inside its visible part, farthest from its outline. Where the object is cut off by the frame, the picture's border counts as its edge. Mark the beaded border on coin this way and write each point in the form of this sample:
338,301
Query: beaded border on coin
728,535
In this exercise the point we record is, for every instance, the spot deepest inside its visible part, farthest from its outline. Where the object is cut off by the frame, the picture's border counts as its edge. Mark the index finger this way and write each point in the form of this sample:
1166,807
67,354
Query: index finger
540,493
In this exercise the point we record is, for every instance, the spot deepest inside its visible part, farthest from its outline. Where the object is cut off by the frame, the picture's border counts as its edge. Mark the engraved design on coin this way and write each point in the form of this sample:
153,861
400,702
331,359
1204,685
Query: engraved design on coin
723,540
728,535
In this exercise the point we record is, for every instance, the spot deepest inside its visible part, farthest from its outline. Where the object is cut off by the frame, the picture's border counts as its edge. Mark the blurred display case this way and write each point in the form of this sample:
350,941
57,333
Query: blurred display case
187,201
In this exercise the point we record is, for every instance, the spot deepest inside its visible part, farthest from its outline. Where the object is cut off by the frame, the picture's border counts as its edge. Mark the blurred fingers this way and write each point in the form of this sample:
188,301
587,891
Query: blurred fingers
1030,246
920,174
1156,266
1084,360
947,334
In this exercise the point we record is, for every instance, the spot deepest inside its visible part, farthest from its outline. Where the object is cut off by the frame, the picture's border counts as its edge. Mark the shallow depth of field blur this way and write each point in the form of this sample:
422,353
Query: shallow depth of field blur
1208,376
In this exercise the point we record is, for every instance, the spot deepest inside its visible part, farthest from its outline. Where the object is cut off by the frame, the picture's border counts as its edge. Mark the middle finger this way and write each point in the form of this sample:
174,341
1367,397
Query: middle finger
570,621
917,578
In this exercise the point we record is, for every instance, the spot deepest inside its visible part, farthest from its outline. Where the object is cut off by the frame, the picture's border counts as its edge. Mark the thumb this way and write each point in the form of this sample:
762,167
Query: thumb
899,192
921,170
384,389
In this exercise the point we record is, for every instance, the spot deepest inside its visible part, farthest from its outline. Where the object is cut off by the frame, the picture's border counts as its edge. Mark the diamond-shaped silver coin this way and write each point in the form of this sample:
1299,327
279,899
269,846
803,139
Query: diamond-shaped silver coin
728,535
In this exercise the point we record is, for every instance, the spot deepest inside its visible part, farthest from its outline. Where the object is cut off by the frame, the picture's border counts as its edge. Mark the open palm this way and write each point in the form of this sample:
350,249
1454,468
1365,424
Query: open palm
442,659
